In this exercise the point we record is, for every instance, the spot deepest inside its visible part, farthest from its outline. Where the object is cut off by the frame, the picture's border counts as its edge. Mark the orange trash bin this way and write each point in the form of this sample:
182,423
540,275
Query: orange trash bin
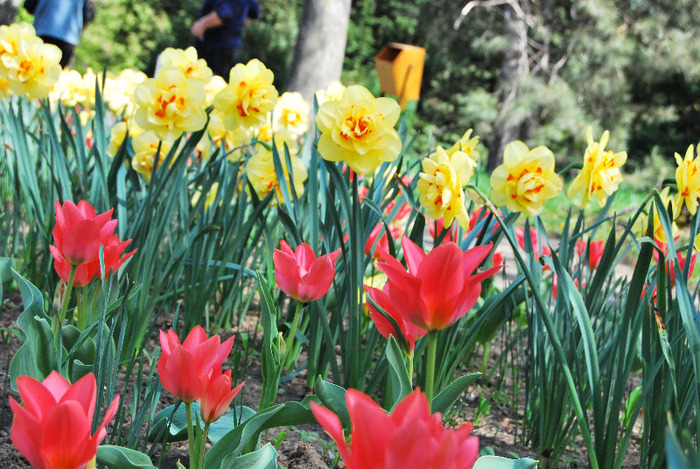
400,70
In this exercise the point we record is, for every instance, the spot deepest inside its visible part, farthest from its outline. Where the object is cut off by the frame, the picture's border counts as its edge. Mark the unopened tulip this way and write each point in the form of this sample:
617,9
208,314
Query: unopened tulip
52,429
185,369
301,275
408,437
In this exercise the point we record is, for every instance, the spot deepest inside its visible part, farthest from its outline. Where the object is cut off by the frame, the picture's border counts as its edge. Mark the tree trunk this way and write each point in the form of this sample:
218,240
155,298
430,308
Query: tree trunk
514,68
320,49
8,10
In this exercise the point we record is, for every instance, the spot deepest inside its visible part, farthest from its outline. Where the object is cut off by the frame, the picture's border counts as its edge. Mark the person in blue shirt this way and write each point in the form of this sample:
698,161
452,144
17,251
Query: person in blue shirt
59,22
218,30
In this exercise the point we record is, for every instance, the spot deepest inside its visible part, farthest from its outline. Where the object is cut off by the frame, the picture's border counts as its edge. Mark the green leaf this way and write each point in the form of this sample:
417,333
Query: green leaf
246,434
264,458
496,462
225,424
5,270
37,355
116,457
333,397
444,400
400,381
178,422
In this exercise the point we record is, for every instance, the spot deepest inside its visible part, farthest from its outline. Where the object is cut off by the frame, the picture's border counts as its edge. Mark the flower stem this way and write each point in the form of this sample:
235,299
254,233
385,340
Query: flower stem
190,432
410,368
292,332
64,305
203,447
430,370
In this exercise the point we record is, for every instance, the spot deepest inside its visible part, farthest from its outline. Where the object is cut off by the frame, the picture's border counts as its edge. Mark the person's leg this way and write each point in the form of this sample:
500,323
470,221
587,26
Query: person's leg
221,60
66,50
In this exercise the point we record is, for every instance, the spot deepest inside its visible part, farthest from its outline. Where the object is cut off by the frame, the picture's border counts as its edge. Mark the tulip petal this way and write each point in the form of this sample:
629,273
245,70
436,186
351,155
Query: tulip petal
331,424
26,434
413,254
66,436
317,281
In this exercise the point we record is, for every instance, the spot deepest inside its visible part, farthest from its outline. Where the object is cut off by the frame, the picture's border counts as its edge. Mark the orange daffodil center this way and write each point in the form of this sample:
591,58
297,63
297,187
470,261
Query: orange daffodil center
441,183
359,130
526,179
601,175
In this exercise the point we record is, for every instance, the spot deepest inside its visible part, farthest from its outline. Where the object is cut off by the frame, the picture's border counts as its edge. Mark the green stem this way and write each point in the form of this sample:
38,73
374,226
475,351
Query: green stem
485,360
410,368
292,332
66,300
190,432
430,369
203,448
80,315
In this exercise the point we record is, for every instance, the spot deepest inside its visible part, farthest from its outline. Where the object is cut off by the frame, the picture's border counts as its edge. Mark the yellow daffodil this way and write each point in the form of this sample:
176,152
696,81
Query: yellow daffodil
601,175
249,96
211,196
359,130
218,136
261,174
526,179
32,69
467,144
119,90
4,87
280,136
145,149
187,61
71,89
333,93
640,226
212,88
10,37
440,186
292,113
116,138
170,104
688,181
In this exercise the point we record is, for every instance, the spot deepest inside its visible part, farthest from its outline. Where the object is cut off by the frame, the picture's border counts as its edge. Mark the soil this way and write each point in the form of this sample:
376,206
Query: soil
301,446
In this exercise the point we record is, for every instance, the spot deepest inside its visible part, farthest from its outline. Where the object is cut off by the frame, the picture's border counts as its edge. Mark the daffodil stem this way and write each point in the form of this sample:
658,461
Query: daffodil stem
292,332
203,447
190,432
430,369
66,300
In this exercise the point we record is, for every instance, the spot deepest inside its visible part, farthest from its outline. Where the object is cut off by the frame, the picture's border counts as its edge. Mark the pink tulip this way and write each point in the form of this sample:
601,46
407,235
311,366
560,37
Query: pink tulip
217,395
595,251
185,369
52,430
408,437
300,274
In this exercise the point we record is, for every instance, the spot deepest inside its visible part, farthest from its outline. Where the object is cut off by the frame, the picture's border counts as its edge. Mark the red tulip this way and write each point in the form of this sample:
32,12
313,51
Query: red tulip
300,274
52,430
217,395
78,234
440,287
595,251
185,369
408,437
385,328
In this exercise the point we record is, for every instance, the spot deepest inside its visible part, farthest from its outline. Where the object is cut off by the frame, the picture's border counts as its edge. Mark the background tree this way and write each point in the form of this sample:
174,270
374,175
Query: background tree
8,10
320,46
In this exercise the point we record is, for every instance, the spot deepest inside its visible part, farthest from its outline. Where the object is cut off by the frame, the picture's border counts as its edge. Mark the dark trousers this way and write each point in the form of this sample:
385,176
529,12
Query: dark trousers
222,59
66,50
